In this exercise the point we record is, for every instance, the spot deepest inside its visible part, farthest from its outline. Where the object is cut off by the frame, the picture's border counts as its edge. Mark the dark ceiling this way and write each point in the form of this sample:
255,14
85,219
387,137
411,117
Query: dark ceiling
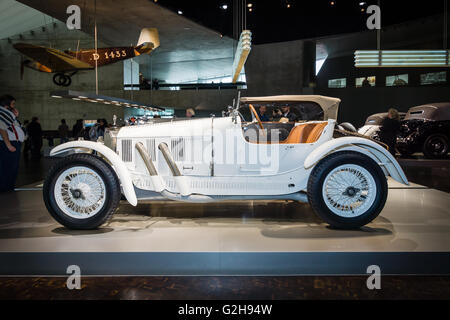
273,21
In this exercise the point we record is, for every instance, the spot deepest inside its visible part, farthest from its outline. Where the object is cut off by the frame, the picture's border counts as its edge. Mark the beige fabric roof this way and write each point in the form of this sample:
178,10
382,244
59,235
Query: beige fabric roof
434,111
329,105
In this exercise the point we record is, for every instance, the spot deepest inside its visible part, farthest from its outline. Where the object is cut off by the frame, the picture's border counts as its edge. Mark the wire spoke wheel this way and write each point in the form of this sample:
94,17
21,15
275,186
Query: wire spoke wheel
80,192
349,190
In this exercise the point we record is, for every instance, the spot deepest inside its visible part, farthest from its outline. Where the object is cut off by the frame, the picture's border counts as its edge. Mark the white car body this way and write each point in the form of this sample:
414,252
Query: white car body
201,148
369,130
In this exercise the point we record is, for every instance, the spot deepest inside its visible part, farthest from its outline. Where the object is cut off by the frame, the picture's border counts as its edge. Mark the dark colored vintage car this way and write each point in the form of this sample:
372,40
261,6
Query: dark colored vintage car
426,128
373,124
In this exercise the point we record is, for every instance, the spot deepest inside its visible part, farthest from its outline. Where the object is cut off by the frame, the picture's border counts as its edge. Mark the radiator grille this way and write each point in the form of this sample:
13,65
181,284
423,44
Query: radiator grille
177,147
127,153
151,148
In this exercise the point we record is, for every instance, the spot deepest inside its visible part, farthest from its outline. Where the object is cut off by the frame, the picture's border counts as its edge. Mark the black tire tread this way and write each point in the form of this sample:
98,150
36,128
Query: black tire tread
315,201
111,182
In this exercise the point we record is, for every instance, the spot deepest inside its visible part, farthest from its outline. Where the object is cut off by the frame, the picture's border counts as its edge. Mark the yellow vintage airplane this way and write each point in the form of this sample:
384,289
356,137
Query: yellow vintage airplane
66,63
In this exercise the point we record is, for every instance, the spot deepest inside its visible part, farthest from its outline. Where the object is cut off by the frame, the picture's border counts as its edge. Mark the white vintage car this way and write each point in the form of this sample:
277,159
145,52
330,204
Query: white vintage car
222,159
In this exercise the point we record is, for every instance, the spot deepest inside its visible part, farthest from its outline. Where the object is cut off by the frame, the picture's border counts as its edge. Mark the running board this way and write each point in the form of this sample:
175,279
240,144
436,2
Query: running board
144,195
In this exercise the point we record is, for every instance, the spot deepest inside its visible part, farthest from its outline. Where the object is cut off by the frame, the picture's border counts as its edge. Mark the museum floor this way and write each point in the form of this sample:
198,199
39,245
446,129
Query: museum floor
217,242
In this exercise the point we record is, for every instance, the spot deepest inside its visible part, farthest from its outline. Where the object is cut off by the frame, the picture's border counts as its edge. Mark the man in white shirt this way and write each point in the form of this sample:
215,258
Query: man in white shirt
11,138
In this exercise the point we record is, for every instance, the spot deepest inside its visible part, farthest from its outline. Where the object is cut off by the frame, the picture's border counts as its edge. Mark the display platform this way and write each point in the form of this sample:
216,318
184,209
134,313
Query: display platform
411,236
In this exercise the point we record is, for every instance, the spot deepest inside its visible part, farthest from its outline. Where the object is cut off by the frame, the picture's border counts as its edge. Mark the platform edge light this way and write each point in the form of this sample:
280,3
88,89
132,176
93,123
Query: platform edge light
401,58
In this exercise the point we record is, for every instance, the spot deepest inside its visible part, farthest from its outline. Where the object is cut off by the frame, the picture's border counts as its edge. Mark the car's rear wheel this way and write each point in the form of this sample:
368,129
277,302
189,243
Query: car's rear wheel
81,191
436,146
347,190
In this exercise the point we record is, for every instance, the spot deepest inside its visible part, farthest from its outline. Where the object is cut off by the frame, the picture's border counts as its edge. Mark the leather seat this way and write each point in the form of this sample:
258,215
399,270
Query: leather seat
305,133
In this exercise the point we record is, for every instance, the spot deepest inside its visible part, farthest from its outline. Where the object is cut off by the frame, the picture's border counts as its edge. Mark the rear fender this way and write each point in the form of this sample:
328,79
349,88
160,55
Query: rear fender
380,155
117,164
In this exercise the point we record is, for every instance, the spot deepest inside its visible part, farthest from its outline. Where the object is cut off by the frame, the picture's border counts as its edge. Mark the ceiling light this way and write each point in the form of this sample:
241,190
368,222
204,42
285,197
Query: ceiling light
243,50
401,58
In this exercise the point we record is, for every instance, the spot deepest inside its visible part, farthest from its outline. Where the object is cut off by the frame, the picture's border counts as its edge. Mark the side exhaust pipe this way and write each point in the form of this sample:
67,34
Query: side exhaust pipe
156,179
180,180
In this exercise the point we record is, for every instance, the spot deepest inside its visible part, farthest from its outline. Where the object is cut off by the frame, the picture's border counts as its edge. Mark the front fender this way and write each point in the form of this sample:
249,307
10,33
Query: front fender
383,157
118,166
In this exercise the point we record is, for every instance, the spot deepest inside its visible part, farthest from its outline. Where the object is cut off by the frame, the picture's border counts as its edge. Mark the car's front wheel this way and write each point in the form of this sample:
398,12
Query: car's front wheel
81,191
347,190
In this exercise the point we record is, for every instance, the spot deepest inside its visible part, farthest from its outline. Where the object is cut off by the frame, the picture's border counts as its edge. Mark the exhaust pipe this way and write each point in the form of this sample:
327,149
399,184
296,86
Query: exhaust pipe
156,179
180,180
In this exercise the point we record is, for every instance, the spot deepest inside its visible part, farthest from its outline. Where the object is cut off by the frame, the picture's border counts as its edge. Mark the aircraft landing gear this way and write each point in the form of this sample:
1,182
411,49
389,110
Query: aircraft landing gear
63,80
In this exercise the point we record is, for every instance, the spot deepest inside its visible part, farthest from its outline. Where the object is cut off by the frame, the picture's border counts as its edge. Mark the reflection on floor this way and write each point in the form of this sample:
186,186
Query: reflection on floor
431,173
415,220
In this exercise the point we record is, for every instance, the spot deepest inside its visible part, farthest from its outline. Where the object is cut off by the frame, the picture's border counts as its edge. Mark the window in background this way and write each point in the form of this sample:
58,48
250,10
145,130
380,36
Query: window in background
337,83
131,75
432,78
397,80
366,82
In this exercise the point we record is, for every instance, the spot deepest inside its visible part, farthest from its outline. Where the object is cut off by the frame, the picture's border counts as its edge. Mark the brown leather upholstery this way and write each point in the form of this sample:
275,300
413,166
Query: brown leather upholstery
316,132
305,133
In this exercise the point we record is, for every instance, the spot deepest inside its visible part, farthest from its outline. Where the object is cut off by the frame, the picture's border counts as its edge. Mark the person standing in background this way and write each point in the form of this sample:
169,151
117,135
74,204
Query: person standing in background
102,127
63,131
26,143
263,114
11,137
390,127
287,115
35,133
190,113
77,128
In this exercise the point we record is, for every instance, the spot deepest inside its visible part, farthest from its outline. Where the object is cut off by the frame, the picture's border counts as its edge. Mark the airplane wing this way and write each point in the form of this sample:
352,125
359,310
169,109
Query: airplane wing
55,60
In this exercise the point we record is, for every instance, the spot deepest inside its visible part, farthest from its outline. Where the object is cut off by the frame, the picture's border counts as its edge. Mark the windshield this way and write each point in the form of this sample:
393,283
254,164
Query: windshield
274,111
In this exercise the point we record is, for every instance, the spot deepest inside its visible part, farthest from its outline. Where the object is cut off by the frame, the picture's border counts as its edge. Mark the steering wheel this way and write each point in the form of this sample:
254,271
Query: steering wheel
253,110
